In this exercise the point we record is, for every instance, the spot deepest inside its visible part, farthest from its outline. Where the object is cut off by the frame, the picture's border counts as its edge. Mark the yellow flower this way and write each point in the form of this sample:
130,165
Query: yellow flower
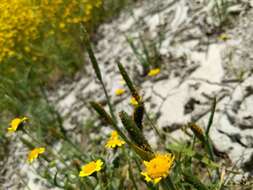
224,37
35,153
153,72
122,82
133,101
16,123
114,141
157,168
119,91
90,168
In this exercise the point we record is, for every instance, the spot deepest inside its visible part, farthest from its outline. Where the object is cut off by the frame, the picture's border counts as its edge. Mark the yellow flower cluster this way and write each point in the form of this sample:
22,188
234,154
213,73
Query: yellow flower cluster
23,21
18,25
69,11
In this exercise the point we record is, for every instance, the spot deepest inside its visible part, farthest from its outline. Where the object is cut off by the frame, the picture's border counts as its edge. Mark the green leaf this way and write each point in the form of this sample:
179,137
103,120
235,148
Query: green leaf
178,148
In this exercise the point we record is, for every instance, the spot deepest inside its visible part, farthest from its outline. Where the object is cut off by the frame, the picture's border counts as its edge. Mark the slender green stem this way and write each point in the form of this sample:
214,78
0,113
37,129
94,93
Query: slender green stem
47,147
168,184
154,127
210,121
97,70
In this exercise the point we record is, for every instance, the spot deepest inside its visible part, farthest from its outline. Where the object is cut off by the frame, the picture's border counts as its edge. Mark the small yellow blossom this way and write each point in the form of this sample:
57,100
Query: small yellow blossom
153,72
35,153
27,49
15,123
122,82
119,91
90,168
224,37
157,168
114,141
133,101
62,25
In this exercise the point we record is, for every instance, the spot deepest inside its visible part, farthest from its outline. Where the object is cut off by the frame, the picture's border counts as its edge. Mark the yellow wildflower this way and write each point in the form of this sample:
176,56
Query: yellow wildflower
62,25
16,123
122,82
133,101
114,141
90,168
157,168
119,91
224,37
35,153
153,72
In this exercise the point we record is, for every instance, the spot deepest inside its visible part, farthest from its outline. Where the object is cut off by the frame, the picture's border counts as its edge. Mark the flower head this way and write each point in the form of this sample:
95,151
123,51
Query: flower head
133,101
157,168
119,91
153,72
90,168
224,37
114,141
122,82
16,123
35,153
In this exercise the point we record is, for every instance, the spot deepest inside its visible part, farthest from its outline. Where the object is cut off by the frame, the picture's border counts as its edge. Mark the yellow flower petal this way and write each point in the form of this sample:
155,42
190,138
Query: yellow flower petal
154,72
35,153
15,123
133,101
122,82
90,168
119,91
114,141
224,37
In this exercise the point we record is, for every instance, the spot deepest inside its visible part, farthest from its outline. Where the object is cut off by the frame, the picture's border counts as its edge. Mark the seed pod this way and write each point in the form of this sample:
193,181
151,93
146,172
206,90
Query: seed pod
92,56
138,115
198,132
129,83
101,111
134,132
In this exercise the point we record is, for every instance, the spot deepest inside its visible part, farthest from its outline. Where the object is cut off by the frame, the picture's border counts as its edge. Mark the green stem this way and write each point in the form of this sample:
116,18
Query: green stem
97,70
168,184
153,125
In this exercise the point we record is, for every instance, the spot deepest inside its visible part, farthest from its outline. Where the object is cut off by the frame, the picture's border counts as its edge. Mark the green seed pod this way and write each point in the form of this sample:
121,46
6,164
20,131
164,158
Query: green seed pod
101,111
129,83
138,115
198,132
134,132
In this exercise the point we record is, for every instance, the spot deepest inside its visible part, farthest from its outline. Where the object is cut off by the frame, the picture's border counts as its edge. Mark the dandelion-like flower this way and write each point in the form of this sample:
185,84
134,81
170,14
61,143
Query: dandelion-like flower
119,91
35,153
157,168
114,141
153,72
90,168
16,123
